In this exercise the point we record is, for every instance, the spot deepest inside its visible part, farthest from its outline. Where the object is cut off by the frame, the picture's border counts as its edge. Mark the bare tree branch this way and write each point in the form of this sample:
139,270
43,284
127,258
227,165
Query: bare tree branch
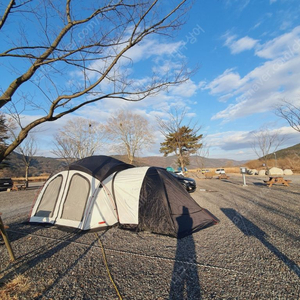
265,142
289,112
79,138
131,133
90,47
6,13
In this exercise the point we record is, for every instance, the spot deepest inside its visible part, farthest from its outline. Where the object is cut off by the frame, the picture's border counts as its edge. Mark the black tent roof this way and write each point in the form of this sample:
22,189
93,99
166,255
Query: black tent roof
99,166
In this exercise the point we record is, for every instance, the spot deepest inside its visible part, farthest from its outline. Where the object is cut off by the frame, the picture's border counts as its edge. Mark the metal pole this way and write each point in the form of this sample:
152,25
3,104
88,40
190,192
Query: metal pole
275,160
244,179
6,241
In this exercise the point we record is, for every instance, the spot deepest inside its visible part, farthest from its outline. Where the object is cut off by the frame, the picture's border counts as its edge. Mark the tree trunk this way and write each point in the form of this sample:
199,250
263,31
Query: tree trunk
26,176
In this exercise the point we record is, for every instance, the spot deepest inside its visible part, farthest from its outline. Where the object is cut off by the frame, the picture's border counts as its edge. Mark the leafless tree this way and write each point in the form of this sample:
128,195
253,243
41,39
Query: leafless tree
202,155
265,142
65,54
130,133
27,150
79,138
289,112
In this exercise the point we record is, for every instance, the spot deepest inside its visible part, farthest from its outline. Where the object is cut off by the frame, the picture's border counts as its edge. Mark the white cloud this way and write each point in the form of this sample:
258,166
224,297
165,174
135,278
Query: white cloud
185,90
240,4
282,45
262,88
245,43
240,45
238,144
225,83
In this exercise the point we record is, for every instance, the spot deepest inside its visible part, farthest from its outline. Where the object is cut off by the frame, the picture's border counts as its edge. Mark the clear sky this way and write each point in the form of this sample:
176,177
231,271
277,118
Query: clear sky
247,54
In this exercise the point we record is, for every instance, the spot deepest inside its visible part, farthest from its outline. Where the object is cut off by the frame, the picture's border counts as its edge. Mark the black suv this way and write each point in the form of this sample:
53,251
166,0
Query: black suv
5,183
188,183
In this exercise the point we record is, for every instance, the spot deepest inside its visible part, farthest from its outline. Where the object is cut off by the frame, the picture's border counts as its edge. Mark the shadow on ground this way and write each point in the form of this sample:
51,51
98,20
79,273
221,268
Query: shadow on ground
185,280
250,229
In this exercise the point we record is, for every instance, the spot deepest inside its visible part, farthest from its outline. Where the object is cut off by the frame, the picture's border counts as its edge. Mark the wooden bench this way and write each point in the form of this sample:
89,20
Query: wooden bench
208,175
274,180
18,186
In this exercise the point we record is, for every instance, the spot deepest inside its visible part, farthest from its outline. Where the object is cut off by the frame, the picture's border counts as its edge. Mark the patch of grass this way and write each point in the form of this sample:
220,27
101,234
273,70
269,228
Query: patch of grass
15,288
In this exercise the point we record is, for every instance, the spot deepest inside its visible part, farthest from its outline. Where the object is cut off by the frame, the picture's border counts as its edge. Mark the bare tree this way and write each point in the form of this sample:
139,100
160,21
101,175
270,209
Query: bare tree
201,155
27,150
180,139
265,142
59,60
130,132
291,113
79,138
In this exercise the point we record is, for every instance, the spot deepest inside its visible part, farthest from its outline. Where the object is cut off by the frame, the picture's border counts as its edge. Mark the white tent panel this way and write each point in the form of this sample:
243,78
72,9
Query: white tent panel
102,211
127,187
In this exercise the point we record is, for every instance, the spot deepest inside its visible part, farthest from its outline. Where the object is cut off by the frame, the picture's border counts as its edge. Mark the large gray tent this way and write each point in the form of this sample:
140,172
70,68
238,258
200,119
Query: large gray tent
99,191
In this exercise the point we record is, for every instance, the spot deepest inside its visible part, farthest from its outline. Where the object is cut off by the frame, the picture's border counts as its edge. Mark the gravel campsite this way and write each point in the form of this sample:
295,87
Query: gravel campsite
253,253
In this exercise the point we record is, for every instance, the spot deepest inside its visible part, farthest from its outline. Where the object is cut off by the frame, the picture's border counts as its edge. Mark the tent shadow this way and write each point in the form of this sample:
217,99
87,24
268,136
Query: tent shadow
185,280
250,229
40,254
20,229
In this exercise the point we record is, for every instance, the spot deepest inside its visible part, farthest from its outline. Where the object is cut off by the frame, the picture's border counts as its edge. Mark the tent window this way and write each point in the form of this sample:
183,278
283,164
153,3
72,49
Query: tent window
76,198
50,196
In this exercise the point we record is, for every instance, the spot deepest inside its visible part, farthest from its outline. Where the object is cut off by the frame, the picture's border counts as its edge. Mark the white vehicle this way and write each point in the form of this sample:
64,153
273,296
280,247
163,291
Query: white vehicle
180,173
220,171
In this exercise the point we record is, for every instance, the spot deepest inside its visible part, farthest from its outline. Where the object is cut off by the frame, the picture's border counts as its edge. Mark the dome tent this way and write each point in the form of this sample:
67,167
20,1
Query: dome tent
99,191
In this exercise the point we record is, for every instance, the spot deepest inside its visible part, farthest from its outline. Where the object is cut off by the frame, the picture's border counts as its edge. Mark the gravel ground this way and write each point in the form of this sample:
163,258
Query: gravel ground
253,253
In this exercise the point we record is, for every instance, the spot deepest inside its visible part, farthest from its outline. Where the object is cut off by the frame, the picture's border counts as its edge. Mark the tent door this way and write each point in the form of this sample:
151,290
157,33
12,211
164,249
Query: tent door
77,194
45,208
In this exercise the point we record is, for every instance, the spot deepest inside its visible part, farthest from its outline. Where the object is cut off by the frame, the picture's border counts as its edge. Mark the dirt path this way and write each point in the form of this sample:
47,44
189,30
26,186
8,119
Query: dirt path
253,253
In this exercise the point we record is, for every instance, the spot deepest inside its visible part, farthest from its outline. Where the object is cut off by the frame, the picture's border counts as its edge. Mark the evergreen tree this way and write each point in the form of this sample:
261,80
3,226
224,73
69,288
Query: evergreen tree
182,142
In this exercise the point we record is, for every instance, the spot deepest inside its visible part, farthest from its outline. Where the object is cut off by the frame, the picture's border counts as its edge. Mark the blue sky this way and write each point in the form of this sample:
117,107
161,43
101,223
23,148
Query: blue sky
247,53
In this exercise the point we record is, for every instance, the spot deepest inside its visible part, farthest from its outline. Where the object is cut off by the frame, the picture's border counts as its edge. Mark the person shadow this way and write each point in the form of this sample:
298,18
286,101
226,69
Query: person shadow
185,280
250,229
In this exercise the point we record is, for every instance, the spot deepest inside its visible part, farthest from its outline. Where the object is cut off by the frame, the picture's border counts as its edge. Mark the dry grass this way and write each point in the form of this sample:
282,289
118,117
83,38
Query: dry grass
291,162
15,288
232,170
213,170
32,179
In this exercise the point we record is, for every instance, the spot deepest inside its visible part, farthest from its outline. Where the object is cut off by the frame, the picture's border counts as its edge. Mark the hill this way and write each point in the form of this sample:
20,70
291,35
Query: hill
40,165
195,162
287,158
46,165
287,152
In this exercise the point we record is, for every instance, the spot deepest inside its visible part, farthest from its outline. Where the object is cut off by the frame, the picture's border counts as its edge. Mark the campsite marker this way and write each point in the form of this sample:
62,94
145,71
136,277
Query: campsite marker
243,172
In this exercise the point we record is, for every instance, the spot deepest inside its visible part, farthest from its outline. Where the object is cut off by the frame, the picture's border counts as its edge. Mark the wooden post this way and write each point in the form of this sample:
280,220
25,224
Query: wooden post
6,241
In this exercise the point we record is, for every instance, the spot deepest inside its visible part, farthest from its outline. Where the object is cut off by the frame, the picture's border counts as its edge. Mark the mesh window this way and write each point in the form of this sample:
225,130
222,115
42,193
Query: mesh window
48,201
76,198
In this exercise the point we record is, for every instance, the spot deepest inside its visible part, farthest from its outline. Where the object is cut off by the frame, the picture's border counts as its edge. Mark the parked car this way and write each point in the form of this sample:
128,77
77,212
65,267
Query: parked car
220,171
203,171
188,183
5,183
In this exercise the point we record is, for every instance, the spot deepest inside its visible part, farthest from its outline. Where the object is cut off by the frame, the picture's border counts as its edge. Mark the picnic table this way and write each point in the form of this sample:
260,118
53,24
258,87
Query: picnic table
223,176
17,186
277,179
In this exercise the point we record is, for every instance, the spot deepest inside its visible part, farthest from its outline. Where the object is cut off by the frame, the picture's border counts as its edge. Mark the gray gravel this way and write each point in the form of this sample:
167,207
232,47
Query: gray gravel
253,253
